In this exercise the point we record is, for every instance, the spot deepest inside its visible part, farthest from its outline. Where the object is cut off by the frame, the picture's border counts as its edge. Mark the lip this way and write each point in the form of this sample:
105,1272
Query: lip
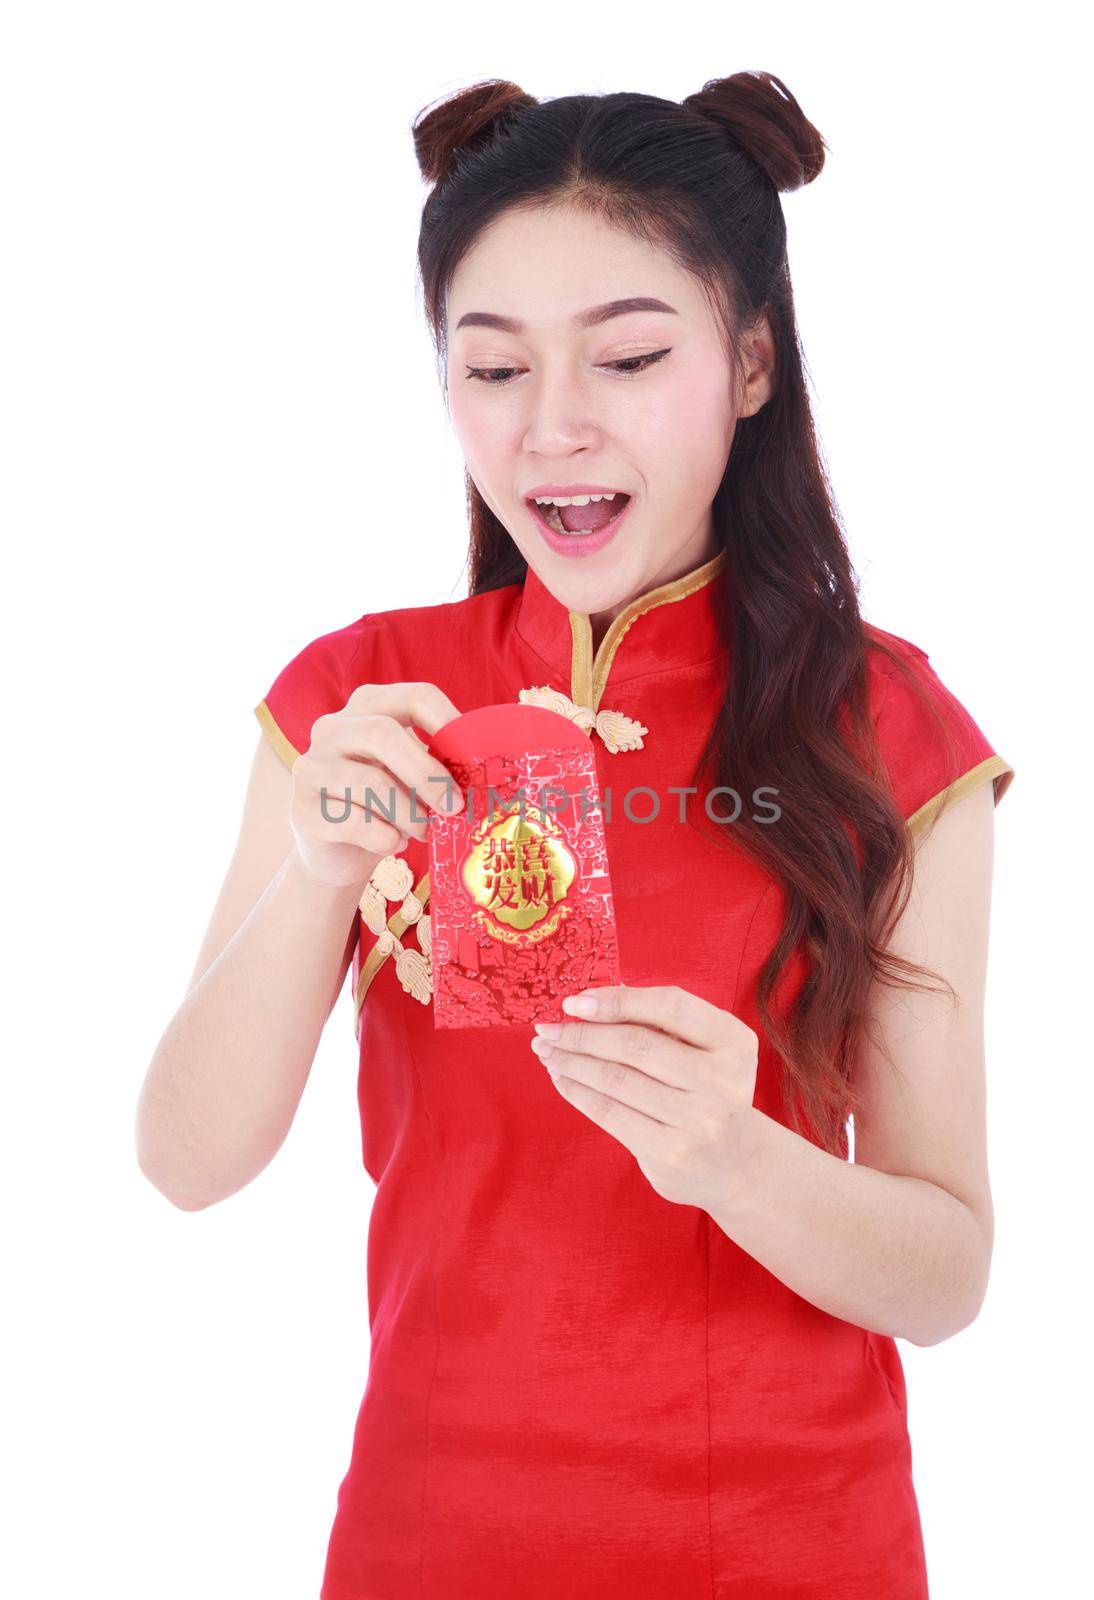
575,488
578,544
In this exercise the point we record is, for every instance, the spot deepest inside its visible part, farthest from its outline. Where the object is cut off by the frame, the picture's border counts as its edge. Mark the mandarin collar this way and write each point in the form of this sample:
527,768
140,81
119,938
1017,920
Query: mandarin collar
678,624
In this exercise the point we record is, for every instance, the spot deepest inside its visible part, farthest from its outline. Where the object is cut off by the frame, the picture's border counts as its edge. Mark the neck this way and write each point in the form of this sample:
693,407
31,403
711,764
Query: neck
702,548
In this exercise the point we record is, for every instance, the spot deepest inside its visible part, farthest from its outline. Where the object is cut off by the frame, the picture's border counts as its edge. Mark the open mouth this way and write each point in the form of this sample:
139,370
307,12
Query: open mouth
583,515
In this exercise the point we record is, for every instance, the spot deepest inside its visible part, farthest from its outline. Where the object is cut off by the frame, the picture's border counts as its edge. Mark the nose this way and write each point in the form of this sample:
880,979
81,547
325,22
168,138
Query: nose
561,419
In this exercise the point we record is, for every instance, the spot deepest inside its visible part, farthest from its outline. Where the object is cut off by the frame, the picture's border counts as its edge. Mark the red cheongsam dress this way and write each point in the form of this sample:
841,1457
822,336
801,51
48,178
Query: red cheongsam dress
578,1390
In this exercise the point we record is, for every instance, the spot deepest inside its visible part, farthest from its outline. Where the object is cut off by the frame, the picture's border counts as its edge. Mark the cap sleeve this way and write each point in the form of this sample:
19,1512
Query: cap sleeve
319,679
933,750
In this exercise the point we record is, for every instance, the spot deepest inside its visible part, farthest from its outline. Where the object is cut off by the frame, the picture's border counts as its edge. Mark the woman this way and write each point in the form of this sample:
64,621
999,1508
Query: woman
632,1316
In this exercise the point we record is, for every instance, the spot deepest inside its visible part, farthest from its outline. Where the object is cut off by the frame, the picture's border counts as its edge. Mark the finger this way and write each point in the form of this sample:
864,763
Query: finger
422,704
378,837
673,1010
615,1079
376,793
634,1129
385,740
652,1052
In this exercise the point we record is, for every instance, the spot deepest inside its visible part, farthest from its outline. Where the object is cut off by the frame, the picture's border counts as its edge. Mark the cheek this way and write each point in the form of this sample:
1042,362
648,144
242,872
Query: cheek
476,427
686,428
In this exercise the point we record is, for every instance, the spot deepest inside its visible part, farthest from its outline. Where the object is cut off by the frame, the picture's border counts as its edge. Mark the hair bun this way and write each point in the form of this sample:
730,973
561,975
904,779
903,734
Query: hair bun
760,114
462,120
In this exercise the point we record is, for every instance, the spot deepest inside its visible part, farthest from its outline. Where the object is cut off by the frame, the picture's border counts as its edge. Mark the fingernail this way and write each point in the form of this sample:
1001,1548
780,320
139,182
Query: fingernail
548,1030
580,1005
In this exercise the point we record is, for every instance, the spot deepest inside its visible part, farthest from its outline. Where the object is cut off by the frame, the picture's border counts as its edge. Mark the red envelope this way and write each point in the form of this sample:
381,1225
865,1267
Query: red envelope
520,897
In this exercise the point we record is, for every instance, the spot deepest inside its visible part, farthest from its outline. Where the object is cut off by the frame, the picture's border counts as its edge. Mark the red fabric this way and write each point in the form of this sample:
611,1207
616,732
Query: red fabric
575,1387
915,755
321,677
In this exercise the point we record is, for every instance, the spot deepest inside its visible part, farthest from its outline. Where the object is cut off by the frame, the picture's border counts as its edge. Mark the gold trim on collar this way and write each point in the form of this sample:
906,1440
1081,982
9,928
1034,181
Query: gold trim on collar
589,672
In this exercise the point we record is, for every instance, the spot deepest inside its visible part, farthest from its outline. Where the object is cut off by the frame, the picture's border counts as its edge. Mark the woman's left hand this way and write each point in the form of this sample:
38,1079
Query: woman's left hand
669,1075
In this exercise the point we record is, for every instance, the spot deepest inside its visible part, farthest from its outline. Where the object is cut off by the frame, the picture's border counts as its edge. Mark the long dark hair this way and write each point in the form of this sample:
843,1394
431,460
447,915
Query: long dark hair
702,180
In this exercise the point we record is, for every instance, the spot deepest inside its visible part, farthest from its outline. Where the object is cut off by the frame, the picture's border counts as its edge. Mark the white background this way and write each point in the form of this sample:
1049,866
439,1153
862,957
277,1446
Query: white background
222,433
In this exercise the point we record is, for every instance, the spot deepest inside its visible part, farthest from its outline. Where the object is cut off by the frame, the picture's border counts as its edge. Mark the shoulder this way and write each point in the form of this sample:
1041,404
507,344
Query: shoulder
402,644
933,749
885,647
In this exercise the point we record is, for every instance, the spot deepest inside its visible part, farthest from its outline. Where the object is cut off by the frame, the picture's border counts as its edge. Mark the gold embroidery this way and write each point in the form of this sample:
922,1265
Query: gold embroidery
392,879
414,972
617,731
555,700
373,909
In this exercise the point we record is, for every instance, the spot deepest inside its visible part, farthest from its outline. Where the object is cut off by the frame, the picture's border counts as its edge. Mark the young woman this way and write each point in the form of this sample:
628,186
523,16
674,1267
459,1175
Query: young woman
632,1308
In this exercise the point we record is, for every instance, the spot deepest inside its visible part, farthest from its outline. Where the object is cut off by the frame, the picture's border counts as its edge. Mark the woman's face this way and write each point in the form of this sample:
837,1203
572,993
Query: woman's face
548,398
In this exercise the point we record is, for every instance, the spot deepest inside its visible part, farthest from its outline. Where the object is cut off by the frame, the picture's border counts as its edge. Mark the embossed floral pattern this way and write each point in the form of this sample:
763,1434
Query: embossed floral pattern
392,879
617,731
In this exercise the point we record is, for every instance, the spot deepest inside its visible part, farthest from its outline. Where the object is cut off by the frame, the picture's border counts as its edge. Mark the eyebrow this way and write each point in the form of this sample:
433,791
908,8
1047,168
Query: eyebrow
583,319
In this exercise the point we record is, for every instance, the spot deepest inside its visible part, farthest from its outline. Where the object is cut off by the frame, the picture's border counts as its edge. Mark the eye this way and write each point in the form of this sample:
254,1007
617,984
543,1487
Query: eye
626,367
490,375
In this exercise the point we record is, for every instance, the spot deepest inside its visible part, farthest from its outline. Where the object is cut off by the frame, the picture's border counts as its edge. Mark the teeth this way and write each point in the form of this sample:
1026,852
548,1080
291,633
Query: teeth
553,516
572,499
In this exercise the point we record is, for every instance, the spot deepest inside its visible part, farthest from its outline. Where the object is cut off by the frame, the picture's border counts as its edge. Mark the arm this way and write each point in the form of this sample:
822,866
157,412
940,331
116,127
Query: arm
224,1083
900,1240
226,1079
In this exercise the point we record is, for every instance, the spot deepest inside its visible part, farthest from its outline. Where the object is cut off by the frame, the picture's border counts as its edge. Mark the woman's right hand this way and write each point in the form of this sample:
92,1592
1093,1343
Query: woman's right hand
369,745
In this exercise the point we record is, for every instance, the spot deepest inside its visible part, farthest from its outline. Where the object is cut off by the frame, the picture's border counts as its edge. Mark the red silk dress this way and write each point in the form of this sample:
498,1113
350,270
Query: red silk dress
577,1388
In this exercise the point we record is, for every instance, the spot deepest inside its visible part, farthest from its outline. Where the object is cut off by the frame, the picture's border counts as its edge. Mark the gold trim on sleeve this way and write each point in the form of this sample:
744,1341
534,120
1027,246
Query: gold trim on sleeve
284,748
994,767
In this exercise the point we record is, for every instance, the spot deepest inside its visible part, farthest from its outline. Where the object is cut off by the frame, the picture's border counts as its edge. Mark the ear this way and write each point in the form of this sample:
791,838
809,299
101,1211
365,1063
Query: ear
758,367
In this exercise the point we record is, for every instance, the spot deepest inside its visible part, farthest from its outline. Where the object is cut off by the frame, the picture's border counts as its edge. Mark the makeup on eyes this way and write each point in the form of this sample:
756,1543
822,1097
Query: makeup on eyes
488,372
622,366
